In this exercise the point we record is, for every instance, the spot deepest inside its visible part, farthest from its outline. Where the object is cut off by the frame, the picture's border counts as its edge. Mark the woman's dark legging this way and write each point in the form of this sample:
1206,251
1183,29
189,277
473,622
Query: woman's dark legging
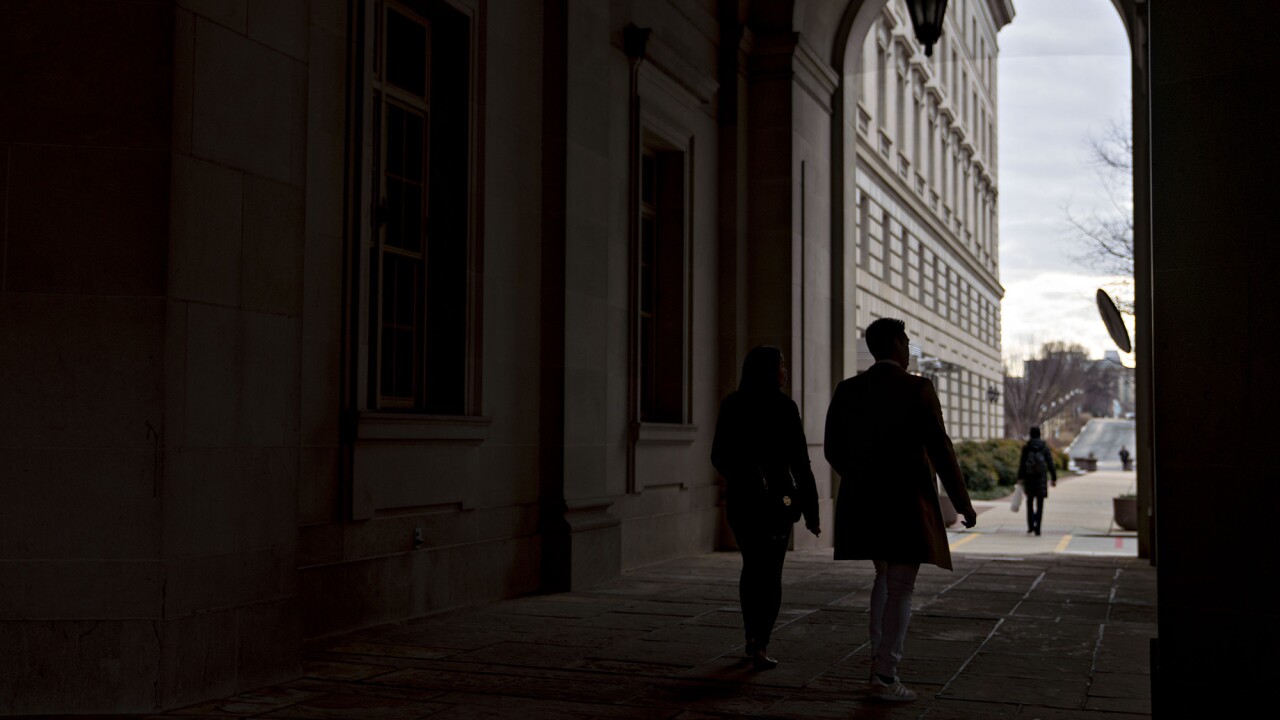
760,585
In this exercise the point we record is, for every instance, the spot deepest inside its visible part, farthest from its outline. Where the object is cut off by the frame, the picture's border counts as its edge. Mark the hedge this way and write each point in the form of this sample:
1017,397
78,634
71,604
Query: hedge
987,464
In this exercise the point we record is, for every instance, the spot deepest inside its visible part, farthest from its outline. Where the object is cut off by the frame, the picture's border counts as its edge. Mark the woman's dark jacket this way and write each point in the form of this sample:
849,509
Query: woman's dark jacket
760,432
1033,485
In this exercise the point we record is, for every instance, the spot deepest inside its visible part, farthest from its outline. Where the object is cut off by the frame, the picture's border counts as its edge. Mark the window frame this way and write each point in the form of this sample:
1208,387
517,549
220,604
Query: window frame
374,94
658,135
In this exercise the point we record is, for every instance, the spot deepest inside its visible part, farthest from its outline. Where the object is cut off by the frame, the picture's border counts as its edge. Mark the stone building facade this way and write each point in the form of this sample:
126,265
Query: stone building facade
926,202
317,315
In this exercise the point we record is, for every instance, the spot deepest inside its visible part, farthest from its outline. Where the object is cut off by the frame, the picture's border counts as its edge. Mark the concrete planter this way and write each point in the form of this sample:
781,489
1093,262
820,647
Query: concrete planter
1087,464
1126,512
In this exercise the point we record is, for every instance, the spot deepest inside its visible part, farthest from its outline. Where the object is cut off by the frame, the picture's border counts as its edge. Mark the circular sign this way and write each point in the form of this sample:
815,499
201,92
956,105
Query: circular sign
1115,324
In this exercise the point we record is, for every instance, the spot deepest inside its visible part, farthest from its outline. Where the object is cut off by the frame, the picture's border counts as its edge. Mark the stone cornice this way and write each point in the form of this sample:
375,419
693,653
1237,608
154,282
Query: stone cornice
696,85
890,17
814,75
1002,12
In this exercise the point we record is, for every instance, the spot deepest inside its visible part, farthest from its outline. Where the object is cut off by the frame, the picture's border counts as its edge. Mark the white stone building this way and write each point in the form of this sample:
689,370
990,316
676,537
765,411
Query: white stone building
926,204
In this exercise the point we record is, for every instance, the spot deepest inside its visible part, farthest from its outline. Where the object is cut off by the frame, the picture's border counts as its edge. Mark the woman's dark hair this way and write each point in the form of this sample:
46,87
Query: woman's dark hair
1035,432
760,369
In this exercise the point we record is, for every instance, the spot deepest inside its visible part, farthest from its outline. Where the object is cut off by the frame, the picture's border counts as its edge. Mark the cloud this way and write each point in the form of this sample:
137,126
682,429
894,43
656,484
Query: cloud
1054,305
1063,76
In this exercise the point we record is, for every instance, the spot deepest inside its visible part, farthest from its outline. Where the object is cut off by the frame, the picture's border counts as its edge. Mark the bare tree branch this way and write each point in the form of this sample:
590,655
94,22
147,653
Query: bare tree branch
1107,240
1050,384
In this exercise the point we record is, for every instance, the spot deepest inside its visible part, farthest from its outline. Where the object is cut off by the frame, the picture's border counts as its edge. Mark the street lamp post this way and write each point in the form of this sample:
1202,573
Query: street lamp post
993,396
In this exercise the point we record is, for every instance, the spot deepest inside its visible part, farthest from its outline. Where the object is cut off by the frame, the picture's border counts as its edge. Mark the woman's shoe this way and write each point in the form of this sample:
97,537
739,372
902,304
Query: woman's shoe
761,661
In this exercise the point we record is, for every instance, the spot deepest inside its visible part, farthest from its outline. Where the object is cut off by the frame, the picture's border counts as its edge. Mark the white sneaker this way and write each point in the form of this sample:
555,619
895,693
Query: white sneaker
897,692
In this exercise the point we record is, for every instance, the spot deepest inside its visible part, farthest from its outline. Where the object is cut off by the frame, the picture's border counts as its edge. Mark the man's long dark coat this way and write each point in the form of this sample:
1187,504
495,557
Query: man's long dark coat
884,428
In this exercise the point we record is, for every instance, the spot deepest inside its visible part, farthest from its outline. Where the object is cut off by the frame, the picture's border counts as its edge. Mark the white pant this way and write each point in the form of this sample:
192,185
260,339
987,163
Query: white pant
890,612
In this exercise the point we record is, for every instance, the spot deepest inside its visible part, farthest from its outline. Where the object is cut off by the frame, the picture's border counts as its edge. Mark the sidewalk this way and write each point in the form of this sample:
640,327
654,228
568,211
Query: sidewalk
1077,521
1038,636
1050,627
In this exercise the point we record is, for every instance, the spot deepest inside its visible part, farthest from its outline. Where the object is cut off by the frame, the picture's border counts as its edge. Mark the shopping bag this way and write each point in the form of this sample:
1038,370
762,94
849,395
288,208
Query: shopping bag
1017,498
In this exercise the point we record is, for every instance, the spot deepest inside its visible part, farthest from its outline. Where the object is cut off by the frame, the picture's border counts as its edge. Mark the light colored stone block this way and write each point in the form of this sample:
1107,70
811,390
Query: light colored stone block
206,230
318,485
199,583
228,500
95,493
231,13
280,24
198,658
389,476
321,341
330,15
269,644
326,88
269,381
247,102
74,589
93,383
83,666
272,250
212,379
324,182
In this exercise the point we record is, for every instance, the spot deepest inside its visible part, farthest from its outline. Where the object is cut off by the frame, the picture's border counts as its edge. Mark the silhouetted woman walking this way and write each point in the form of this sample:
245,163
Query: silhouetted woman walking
760,450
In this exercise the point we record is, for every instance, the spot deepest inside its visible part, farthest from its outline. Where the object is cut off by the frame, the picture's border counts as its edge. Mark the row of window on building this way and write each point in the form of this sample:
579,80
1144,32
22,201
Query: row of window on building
938,132
889,252
969,408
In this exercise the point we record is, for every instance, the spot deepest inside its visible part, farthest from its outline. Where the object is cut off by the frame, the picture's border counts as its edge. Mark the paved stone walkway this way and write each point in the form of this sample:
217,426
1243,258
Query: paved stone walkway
1077,521
1047,636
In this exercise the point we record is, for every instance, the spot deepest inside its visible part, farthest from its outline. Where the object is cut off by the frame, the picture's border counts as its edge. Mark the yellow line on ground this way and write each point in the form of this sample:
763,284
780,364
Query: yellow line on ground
1063,543
967,538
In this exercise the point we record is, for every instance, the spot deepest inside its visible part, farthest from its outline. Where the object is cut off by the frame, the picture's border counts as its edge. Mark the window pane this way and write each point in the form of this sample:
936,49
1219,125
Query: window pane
406,53
647,258
647,179
404,363
395,140
401,300
412,232
395,213
414,129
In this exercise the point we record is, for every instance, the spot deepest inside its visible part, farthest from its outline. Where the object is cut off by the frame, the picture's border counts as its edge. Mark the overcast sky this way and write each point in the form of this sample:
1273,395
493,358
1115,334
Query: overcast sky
1064,75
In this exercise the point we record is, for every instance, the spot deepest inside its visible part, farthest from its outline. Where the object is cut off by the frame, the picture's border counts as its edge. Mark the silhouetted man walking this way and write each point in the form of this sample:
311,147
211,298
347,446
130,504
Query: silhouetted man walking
885,436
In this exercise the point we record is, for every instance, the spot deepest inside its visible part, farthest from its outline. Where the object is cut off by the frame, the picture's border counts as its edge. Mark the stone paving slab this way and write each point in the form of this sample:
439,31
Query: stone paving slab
1049,636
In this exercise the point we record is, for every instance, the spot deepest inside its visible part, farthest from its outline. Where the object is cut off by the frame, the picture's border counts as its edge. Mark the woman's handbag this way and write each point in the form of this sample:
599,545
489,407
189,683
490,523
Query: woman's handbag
1017,498
781,497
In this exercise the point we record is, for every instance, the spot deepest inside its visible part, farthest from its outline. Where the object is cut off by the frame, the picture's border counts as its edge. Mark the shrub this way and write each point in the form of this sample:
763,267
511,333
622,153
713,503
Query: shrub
977,466
1061,459
1005,454
990,467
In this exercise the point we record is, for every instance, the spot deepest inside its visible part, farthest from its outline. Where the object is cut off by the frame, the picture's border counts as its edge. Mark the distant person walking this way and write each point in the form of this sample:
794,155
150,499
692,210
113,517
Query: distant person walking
1034,468
761,451
885,436
1124,458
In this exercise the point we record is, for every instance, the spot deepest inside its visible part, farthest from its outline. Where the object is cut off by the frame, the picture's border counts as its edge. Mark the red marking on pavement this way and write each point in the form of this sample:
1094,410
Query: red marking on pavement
1119,543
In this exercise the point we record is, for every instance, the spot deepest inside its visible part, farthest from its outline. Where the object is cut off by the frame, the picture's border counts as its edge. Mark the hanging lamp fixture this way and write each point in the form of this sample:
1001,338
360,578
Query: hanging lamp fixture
926,18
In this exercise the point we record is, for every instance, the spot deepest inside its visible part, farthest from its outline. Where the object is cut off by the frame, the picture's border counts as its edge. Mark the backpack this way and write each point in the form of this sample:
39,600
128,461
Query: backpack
1034,465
